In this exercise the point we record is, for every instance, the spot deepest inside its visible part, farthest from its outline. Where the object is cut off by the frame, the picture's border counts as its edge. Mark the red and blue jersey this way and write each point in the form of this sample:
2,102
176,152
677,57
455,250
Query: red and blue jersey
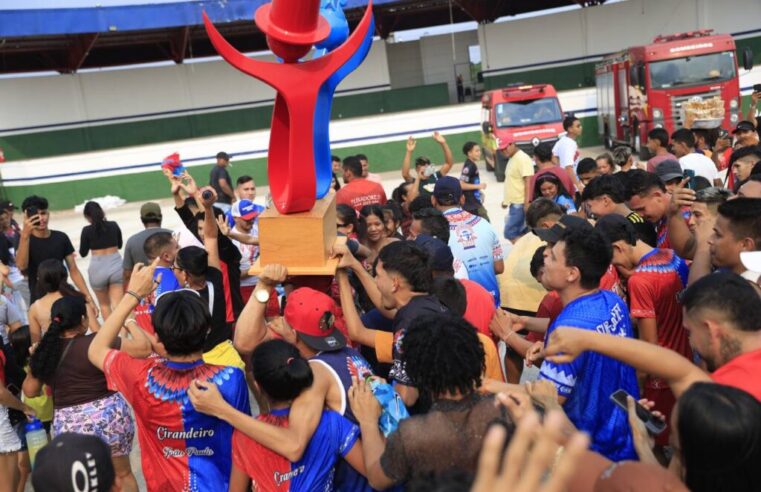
182,449
270,472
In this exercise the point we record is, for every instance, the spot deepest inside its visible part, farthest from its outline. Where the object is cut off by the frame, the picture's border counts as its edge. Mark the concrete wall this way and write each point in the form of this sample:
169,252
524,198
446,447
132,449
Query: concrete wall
608,28
41,101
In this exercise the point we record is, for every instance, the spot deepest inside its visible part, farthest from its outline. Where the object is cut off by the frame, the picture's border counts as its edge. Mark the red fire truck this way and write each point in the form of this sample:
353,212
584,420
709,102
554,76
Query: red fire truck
651,86
525,114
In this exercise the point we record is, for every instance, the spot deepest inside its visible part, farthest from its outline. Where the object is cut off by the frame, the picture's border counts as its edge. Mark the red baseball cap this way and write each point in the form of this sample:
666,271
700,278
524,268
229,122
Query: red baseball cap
316,318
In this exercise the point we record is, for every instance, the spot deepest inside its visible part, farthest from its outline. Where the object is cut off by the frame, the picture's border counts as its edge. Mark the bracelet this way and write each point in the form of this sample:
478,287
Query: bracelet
512,332
139,299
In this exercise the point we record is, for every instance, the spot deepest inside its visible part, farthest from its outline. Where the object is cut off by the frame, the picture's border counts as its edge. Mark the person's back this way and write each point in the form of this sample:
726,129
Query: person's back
179,445
269,471
588,381
446,438
474,242
133,248
76,379
360,192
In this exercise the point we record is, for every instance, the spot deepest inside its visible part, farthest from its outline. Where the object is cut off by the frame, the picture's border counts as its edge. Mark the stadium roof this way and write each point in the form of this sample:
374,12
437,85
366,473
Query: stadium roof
39,35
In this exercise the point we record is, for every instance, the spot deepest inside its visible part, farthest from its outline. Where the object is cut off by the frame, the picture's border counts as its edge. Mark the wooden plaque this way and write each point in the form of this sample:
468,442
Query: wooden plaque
301,241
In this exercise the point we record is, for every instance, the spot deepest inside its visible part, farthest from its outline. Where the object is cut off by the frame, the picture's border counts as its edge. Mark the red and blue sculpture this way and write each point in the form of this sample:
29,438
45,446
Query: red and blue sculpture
299,165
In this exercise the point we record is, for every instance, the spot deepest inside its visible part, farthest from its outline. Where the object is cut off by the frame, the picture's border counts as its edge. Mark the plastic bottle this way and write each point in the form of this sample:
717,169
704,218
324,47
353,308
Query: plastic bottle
36,438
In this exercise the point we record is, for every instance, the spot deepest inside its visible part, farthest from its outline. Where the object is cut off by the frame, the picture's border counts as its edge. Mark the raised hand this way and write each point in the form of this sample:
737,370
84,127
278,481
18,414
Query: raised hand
141,282
411,144
224,226
439,138
565,345
681,197
274,274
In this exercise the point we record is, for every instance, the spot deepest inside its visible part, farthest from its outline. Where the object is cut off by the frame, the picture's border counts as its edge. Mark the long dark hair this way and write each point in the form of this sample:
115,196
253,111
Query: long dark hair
366,212
52,277
280,370
720,438
551,178
95,213
347,216
66,313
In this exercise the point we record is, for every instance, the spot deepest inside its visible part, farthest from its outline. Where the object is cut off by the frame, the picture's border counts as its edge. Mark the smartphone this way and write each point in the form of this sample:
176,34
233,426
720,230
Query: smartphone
653,424
689,173
31,212
757,88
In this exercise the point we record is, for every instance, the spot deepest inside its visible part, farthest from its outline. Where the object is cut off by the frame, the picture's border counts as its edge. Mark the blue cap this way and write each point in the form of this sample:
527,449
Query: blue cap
447,188
245,209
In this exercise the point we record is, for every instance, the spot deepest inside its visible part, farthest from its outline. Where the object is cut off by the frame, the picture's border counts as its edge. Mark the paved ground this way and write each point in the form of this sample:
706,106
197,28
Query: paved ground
128,217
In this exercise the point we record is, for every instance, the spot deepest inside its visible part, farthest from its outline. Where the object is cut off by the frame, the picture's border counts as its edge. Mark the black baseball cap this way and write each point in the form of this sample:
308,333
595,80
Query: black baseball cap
744,126
7,205
73,462
555,233
223,155
441,256
669,170
447,188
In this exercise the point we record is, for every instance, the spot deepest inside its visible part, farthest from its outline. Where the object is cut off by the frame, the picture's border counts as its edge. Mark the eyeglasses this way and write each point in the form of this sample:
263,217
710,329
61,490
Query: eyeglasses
175,267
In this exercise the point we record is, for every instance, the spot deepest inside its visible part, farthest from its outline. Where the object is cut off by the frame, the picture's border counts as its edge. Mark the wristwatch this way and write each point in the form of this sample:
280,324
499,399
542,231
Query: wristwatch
262,295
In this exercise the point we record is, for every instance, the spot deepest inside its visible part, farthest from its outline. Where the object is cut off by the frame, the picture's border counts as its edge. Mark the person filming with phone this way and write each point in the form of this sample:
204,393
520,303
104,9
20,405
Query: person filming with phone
39,243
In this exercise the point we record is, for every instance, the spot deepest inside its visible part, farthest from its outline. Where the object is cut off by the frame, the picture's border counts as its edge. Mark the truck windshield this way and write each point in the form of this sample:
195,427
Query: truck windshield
692,70
528,112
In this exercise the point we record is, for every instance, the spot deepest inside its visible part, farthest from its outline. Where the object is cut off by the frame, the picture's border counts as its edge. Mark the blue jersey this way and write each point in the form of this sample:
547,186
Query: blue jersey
344,364
591,378
474,243
334,437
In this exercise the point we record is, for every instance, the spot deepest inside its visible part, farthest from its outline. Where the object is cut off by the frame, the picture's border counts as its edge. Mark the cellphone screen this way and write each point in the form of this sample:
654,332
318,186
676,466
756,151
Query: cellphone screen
654,425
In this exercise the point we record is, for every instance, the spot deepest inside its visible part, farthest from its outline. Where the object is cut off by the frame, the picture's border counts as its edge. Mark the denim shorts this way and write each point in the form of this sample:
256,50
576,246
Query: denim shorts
515,222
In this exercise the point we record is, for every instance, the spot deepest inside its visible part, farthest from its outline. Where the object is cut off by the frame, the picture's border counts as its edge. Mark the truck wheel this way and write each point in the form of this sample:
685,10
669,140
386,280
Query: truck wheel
499,169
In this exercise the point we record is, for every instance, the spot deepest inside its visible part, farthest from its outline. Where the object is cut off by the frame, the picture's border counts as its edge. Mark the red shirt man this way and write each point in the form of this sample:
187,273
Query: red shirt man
742,372
360,192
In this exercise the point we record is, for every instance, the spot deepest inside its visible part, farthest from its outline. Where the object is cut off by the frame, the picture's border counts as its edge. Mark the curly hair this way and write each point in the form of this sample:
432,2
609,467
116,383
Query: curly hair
66,314
442,354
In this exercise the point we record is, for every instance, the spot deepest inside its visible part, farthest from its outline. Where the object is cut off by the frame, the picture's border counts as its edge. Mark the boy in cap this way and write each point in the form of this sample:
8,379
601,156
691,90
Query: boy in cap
472,240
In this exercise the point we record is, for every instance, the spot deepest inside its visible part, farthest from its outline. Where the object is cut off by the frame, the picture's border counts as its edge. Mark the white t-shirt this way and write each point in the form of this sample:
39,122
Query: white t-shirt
567,151
249,253
702,165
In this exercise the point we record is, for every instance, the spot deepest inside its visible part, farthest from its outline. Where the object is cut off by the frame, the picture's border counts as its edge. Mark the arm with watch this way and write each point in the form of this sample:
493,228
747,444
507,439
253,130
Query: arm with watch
141,284
251,330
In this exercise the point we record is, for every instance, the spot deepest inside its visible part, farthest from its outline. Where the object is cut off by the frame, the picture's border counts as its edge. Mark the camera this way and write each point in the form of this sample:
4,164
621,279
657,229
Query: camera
207,195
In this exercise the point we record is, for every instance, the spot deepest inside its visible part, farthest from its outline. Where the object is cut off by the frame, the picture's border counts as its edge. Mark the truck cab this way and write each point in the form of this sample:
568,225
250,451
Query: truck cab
525,114
684,80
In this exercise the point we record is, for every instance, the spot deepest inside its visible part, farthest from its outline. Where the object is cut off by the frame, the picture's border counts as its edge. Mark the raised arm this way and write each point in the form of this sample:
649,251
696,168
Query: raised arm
141,284
22,254
250,330
411,144
680,237
210,229
368,282
565,344
448,159
357,331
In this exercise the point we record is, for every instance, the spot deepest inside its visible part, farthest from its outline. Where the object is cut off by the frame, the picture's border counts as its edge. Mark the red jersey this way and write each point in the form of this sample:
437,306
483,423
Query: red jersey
360,192
742,373
653,290
182,449
479,309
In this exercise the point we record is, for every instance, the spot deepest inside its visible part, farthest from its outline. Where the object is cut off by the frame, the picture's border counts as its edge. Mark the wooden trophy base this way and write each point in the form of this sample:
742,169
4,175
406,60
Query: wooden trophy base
302,241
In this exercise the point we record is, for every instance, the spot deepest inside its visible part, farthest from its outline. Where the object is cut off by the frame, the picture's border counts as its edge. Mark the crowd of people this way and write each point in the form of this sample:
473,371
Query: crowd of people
614,345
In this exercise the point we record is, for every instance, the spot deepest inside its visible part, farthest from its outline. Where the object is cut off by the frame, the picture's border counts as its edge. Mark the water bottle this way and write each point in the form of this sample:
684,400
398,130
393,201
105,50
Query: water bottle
36,438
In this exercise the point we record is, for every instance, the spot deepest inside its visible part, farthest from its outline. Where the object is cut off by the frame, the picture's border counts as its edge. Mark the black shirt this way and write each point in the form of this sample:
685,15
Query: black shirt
229,254
217,173
405,316
220,328
470,175
57,246
108,237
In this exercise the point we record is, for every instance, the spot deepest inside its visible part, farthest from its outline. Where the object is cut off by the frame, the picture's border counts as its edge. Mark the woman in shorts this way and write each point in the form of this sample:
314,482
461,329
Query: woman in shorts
82,401
104,239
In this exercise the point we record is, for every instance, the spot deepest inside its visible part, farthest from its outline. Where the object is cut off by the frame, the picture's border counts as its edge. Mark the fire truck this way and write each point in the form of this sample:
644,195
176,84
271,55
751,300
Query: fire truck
525,114
680,80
